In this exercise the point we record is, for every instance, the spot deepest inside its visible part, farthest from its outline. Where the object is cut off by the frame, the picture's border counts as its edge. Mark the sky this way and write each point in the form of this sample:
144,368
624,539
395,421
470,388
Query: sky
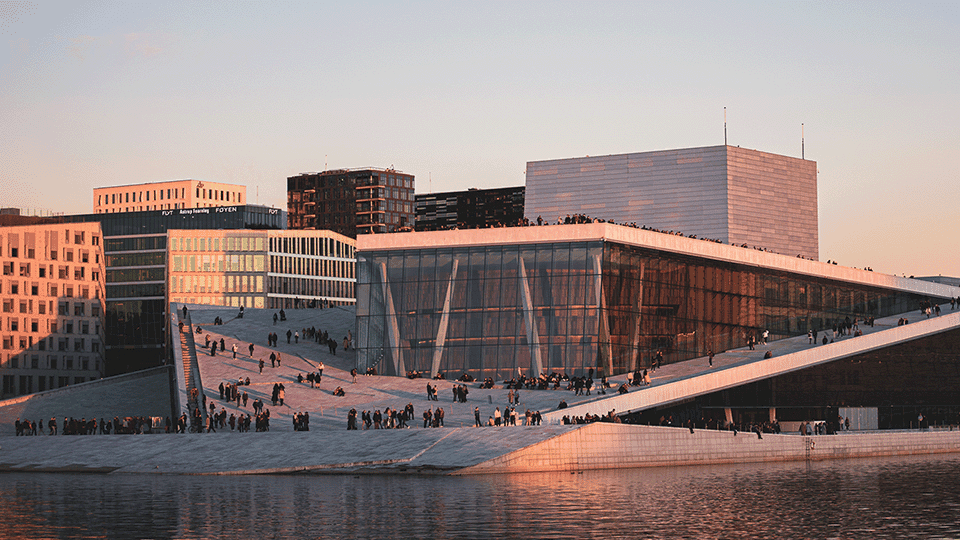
464,94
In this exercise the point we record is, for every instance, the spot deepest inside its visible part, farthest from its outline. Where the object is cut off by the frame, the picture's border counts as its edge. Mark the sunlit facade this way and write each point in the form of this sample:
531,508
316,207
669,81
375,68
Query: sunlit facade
567,298
172,195
135,248
261,269
52,297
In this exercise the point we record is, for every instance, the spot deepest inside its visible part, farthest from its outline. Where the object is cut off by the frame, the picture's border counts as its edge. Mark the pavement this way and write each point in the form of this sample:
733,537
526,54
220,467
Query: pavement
328,446
299,358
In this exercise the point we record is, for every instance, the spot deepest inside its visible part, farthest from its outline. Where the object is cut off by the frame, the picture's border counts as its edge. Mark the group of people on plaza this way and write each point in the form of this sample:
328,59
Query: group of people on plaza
127,425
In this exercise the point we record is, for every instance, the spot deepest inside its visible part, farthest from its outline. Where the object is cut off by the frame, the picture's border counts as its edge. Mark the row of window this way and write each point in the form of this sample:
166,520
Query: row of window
51,289
141,196
327,247
13,243
63,308
23,343
313,267
82,255
216,284
219,300
45,271
230,243
343,291
14,324
218,262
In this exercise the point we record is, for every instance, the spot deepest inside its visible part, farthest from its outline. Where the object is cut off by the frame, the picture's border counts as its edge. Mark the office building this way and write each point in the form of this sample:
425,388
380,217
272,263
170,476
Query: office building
471,209
135,249
351,201
261,269
172,195
52,294
725,193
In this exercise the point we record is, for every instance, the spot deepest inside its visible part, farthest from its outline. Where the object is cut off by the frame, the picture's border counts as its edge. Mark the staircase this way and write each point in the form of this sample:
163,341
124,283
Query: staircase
191,368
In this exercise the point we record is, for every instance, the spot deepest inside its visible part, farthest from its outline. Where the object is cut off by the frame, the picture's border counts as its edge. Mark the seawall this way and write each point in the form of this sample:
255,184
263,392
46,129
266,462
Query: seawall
446,450
607,446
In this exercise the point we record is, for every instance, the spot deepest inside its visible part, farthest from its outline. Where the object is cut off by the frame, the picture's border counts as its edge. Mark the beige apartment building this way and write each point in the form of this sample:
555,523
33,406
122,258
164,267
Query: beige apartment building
167,196
52,298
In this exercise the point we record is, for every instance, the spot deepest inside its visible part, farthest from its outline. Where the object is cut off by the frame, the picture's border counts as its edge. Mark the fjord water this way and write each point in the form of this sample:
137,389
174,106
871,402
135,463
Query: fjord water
907,497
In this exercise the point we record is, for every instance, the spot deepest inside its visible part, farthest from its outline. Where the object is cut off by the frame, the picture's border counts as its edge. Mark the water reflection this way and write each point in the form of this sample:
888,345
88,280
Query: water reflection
888,498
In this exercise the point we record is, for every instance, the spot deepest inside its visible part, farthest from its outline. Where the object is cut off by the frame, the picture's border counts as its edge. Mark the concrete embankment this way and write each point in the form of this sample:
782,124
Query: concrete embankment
446,451
606,446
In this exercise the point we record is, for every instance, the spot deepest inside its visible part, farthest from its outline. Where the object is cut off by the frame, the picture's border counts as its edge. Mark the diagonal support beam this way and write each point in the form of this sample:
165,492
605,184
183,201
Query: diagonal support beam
444,321
529,319
393,327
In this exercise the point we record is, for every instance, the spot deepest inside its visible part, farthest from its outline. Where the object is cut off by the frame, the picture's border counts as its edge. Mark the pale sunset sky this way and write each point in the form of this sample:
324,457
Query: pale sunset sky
463,94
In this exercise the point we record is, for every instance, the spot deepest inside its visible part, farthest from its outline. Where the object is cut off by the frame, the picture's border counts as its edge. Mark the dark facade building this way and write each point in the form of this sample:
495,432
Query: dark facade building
351,201
135,250
471,209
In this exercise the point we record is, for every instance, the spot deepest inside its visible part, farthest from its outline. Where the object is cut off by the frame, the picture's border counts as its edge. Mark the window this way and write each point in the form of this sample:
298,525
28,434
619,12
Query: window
78,345
35,290
14,252
79,309
53,290
68,327
14,325
68,255
14,288
8,268
42,271
41,308
69,362
34,326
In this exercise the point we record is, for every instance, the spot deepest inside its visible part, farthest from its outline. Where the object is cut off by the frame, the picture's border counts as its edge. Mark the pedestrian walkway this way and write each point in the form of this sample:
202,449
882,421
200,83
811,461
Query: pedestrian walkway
300,358
684,380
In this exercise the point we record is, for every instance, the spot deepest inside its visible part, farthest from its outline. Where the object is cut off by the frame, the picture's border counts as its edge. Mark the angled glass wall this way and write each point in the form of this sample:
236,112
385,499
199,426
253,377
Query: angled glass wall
496,311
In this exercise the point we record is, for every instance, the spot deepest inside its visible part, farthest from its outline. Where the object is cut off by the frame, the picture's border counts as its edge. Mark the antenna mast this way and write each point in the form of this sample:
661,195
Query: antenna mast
801,141
725,126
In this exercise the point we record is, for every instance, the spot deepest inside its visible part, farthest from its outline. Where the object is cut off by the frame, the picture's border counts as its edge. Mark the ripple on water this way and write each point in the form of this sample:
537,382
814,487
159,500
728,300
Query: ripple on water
885,498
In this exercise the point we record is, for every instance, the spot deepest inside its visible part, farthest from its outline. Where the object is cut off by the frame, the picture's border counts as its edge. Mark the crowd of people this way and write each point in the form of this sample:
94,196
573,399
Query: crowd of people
127,425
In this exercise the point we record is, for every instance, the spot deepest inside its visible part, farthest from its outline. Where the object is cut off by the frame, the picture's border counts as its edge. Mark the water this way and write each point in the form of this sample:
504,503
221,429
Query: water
914,497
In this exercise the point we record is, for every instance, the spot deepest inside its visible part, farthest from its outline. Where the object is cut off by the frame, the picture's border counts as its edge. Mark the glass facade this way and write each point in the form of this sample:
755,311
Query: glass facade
272,269
496,311
135,251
